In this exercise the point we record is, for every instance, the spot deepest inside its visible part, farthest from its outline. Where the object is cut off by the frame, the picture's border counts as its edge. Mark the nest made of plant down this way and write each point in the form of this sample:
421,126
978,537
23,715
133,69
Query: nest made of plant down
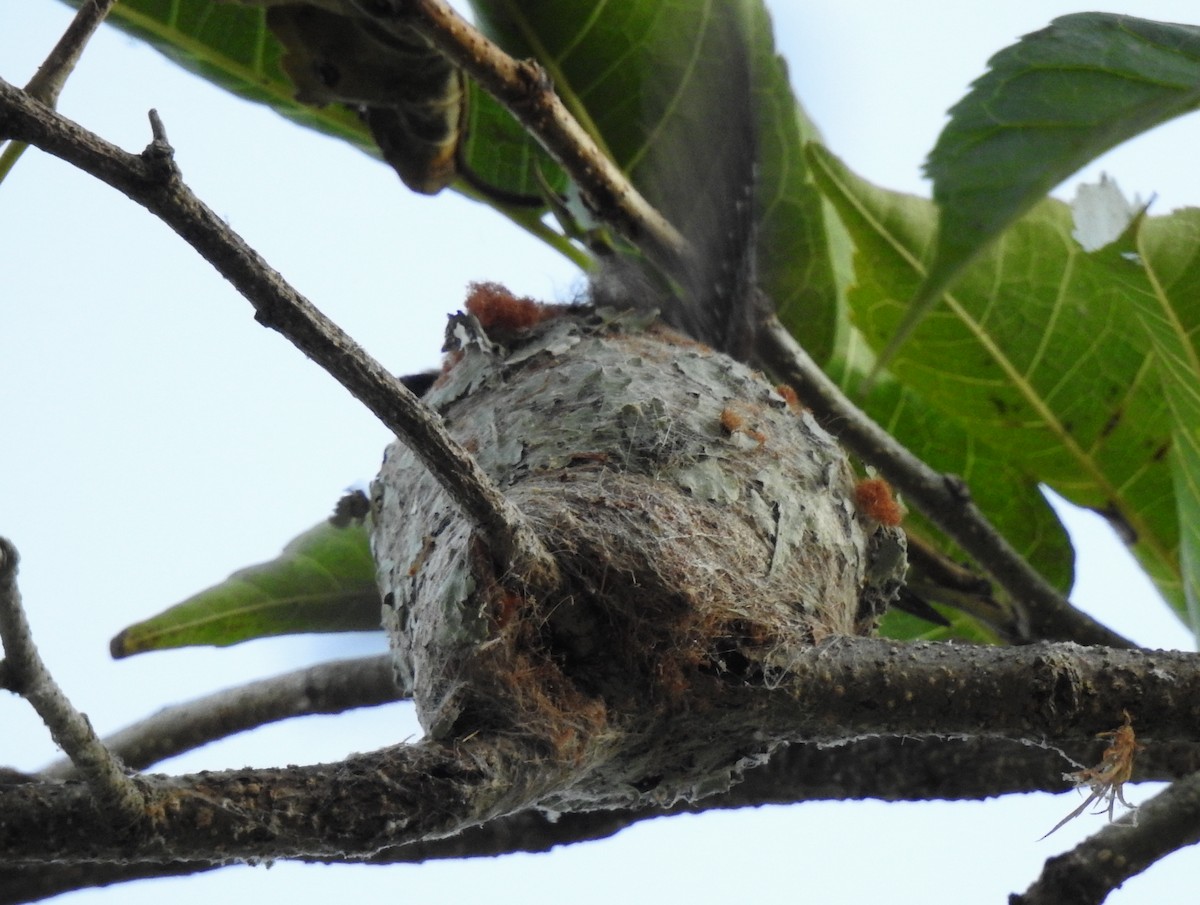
705,525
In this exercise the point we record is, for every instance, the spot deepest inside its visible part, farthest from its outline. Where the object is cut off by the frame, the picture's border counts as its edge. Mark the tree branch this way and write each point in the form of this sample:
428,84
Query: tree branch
892,769
342,811
888,768
943,499
524,89
47,83
27,675
1037,693
153,181
1045,695
1089,872
326,688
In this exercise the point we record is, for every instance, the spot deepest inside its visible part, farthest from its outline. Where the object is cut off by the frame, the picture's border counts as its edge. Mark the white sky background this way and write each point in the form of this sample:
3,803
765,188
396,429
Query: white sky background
155,439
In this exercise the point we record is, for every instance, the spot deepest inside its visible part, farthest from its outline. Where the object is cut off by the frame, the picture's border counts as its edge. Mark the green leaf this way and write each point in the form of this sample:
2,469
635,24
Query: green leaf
324,581
1157,261
1002,489
231,46
1049,104
1032,356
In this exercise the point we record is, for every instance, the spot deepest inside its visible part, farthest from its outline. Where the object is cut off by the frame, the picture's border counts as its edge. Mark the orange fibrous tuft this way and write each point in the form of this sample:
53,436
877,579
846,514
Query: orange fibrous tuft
875,500
732,421
789,396
497,308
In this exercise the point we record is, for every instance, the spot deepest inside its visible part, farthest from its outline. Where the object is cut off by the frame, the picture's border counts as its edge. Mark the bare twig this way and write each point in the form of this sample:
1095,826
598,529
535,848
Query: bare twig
943,499
28,676
524,89
1089,872
326,688
152,180
48,81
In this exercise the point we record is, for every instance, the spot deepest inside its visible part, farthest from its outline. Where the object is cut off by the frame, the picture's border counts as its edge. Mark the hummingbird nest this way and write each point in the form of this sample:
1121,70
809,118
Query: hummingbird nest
705,525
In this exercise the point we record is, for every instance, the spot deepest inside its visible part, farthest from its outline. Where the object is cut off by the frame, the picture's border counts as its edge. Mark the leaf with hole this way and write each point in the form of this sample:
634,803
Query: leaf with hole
1048,105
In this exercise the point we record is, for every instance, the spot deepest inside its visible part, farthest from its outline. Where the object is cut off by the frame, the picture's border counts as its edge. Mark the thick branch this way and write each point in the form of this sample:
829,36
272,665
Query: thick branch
342,811
153,181
892,769
1037,693
1089,872
1045,695
27,675
327,688
943,499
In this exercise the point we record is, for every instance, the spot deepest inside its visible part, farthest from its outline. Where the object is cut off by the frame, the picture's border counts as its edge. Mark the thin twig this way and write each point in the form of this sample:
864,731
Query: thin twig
28,676
524,89
327,688
152,180
1089,872
48,81
943,499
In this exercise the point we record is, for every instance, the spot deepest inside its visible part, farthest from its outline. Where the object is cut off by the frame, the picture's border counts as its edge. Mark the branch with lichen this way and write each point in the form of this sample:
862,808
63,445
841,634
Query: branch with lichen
1057,694
892,769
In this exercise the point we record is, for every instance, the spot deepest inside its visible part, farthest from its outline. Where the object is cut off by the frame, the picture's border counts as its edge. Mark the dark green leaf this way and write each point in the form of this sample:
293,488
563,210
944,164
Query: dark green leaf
1049,104
324,581
649,79
231,46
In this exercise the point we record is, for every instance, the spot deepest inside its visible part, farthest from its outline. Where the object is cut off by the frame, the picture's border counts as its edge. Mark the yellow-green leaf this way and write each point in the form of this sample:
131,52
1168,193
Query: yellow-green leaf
1032,355
324,581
